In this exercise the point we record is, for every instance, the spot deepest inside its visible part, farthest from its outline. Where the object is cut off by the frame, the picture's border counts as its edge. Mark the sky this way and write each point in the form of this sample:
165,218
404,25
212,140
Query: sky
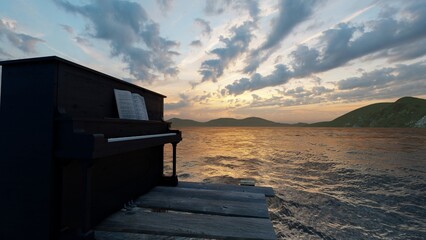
286,61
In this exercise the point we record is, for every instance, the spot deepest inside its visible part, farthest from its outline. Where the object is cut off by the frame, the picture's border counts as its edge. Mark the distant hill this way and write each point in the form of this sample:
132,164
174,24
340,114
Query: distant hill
227,122
178,122
405,112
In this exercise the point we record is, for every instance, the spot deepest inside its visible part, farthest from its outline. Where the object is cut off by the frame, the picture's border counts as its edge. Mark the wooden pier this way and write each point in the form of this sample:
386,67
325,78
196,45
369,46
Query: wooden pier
194,210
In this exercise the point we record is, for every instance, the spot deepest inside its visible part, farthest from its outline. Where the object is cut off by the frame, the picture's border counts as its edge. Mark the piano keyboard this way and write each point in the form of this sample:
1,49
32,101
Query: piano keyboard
123,139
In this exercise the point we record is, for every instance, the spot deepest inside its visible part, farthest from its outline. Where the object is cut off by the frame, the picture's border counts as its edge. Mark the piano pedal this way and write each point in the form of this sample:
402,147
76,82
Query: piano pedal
129,206
124,209
132,204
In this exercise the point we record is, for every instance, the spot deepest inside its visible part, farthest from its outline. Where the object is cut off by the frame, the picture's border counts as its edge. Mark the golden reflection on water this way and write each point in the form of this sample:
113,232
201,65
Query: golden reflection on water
296,156
217,152
341,183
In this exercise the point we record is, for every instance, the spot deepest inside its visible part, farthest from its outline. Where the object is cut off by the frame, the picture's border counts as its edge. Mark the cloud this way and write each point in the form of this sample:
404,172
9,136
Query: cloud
165,5
83,41
205,26
410,88
290,14
252,6
183,102
131,34
216,7
279,76
292,97
392,82
67,28
345,42
341,44
385,76
398,81
196,43
205,98
24,42
405,52
235,45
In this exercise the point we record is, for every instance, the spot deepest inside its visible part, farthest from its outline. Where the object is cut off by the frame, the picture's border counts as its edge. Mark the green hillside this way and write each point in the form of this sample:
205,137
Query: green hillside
405,112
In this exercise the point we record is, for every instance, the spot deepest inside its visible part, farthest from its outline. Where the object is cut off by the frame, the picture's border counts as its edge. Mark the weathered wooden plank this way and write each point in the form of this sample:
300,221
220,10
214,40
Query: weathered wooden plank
209,194
205,201
267,191
188,225
103,235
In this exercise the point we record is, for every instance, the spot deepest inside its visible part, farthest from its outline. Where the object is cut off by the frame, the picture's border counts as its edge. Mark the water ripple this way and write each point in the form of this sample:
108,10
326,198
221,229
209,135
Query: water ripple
330,183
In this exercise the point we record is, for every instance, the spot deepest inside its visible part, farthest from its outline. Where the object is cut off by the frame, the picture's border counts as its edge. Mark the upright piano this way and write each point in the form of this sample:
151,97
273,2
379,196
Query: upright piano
67,161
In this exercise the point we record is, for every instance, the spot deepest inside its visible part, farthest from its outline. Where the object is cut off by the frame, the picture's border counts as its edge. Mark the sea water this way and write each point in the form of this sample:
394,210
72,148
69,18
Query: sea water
330,183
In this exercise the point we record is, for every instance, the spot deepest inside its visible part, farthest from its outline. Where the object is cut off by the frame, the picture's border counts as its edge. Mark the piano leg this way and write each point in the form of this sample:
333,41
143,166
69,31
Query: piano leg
87,232
171,181
174,160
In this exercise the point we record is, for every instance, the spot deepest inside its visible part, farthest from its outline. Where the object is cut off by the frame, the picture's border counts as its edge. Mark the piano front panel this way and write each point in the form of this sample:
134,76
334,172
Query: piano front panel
120,171
115,180
28,191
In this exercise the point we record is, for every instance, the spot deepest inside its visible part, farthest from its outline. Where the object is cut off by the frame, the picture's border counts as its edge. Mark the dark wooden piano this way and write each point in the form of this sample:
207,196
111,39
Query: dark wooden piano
66,159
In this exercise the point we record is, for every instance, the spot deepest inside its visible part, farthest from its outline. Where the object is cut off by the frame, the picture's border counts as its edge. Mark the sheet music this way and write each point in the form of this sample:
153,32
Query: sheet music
140,107
125,106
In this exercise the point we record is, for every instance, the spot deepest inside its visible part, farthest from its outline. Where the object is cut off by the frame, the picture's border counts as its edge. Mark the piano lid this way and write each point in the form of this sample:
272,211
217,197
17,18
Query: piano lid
58,59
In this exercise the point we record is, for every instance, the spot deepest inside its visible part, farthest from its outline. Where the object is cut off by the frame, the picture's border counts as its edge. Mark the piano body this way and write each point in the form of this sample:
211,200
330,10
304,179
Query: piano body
66,159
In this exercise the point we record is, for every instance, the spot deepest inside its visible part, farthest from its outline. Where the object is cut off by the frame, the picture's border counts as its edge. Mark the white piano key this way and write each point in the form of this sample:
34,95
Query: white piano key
123,139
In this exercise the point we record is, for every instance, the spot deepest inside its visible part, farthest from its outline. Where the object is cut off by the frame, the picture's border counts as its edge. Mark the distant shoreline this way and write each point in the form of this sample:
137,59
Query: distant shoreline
406,112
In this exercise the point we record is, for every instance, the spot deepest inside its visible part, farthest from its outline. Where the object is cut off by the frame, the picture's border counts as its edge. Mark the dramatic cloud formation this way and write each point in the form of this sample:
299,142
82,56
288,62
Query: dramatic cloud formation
386,76
398,81
125,25
22,41
346,42
405,52
237,44
279,76
205,26
290,14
